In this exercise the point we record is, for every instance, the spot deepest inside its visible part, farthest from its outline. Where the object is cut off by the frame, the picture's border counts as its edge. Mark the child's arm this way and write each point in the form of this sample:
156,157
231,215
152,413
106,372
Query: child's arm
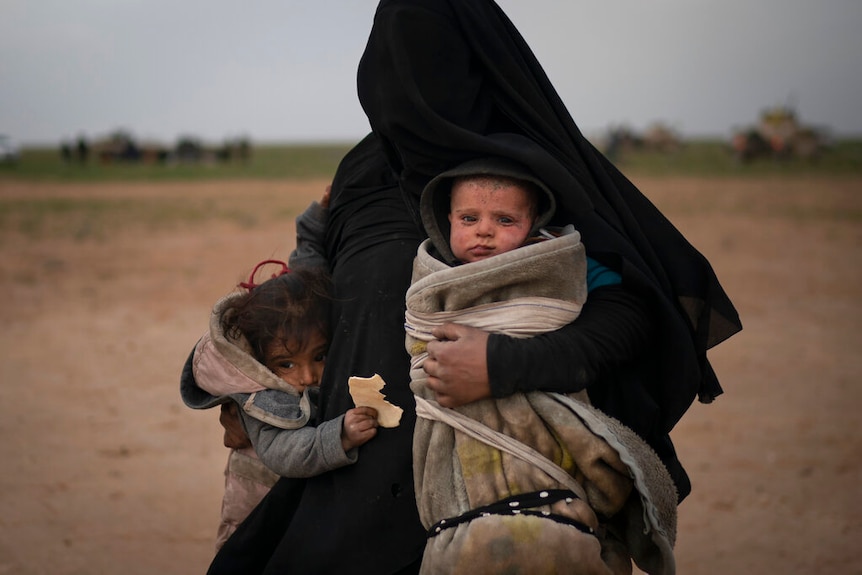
310,235
234,433
309,451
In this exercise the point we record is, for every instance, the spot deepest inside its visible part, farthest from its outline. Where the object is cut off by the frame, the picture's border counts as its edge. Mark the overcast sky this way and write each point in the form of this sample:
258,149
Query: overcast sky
285,70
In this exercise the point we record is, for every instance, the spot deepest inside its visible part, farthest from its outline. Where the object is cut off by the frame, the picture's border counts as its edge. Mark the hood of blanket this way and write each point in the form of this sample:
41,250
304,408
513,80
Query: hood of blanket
271,406
221,368
434,203
224,365
238,352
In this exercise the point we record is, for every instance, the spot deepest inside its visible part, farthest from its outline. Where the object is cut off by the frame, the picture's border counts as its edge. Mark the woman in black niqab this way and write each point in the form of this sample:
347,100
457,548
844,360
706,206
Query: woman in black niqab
443,82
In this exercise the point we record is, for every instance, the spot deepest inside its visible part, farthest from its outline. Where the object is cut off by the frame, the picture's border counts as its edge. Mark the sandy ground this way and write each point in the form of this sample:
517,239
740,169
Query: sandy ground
104,471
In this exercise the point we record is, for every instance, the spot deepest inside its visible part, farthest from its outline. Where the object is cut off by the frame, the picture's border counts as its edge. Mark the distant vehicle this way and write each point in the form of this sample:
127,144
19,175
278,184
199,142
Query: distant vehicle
661,138
121,147
778,135
9,150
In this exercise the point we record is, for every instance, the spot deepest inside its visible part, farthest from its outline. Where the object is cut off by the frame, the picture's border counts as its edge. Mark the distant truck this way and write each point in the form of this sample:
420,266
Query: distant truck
120,146
778,135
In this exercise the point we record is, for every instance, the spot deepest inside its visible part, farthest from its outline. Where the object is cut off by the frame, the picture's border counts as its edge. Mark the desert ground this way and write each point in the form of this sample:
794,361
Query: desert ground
106,288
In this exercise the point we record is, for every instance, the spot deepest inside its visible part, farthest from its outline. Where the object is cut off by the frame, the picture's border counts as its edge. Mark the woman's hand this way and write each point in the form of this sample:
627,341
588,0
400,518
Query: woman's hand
457,365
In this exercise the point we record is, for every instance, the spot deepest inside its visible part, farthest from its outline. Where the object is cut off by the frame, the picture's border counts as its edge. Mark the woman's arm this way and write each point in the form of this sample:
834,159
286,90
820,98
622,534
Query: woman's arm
613,329
468,364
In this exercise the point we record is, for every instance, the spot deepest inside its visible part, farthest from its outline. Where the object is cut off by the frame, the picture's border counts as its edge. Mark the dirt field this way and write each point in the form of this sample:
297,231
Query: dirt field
104,471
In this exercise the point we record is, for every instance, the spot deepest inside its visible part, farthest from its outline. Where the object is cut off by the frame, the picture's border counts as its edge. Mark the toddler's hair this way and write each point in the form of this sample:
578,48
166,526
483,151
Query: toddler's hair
288,309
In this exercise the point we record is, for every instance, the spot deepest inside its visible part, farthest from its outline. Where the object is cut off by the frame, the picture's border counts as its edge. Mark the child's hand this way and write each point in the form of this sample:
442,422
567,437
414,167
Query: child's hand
324,201
360,425
234,434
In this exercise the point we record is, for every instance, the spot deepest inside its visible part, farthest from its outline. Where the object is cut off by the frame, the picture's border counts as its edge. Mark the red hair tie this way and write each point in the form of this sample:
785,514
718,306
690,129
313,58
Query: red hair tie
250,285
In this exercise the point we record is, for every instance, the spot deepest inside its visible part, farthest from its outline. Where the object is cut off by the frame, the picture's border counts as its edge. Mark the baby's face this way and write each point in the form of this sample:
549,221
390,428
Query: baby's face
487,218
300,368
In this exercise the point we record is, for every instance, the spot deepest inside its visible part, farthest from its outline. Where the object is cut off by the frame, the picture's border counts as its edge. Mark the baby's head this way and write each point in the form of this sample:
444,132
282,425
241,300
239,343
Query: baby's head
286,322
482,208
490,214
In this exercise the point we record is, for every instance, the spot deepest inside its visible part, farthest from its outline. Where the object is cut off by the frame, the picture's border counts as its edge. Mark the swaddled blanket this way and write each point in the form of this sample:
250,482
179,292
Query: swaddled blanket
531,483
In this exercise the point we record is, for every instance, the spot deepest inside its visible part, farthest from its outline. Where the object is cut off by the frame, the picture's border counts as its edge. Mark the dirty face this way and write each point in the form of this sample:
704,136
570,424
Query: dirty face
488,217
302,367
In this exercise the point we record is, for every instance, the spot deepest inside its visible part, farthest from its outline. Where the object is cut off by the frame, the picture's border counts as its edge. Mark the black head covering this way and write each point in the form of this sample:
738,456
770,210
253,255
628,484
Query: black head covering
444,82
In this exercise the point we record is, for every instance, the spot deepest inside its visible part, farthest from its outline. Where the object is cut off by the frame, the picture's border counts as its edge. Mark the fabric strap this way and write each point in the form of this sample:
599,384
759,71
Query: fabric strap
432,410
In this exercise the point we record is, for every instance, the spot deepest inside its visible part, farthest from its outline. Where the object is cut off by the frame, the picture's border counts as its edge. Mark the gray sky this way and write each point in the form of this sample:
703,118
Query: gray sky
285,70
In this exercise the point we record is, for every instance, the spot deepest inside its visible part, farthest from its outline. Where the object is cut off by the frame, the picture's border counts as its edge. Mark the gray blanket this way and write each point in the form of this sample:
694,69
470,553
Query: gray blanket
583,494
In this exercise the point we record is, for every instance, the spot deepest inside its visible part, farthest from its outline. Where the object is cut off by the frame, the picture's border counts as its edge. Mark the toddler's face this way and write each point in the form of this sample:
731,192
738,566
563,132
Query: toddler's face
487,218
300,368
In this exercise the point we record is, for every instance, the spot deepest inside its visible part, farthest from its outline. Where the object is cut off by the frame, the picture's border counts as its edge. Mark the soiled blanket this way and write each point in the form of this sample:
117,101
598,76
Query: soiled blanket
532,483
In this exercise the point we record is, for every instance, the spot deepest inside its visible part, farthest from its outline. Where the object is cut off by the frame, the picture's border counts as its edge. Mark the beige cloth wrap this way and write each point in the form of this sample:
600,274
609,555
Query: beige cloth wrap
530,290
